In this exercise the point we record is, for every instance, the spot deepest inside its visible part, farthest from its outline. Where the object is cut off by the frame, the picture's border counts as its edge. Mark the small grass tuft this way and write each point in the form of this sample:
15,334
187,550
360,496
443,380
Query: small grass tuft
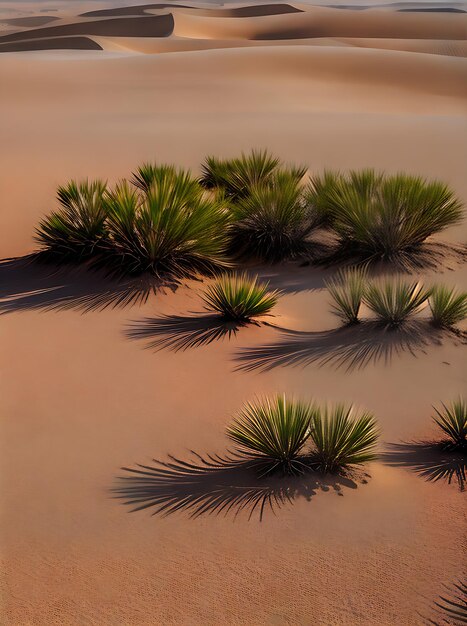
394,300
347,289
452,419
341,440
448,306
240,298
273,431
76,231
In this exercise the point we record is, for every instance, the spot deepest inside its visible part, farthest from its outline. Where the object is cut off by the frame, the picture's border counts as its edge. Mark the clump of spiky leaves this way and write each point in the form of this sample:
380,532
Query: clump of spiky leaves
273,431
347,289
235,177
452,419
319,194
148,174
448,306
274,221
341,439
76,230
377,216
240,298
394,300
174,229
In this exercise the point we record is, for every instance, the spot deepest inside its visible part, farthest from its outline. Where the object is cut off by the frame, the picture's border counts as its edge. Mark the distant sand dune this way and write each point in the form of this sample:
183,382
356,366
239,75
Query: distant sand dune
246,11
29,22
53,43
150,26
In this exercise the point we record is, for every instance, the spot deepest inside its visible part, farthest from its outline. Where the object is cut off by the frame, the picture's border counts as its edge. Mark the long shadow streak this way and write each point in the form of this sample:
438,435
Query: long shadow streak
430,460
351,347
214,485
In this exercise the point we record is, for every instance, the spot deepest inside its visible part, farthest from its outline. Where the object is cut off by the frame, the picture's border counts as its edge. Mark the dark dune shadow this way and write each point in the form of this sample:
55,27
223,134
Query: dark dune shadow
181,332
214,485
26,285
432,10
429,460
352,347
149,26
29,22
55,43
246,11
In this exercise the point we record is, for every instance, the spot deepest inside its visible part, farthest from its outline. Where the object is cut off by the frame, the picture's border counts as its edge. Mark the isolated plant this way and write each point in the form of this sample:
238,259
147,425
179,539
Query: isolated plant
273,222
377,216
448,306
347,289
240,298
341,439
273,432
75,232
452,419
394,300
237,176
173,229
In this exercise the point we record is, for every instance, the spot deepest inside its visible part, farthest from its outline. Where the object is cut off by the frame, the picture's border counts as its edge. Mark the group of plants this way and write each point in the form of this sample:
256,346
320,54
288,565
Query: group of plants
167,222
393,300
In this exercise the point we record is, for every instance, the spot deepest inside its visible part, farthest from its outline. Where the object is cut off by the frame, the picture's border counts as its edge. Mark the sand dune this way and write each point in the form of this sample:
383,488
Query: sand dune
36,20
329,88
242,11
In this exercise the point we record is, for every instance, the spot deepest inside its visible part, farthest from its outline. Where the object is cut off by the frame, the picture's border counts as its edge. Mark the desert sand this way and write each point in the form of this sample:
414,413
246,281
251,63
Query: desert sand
92,89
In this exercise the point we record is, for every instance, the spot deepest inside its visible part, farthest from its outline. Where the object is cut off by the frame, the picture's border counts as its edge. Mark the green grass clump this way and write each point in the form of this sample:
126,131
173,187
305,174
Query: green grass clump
148,174
340,439
347,289
274,221
240,298
273,432
76,231
173,229
394,300
379,216
235,177
448,306
452,419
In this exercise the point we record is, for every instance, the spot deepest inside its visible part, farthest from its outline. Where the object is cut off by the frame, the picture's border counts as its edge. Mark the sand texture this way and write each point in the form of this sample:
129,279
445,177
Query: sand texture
92,89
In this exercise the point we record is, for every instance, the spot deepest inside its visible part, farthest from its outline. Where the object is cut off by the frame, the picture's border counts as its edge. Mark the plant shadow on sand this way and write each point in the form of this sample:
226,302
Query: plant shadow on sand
213,485
349,347
430,460
26,284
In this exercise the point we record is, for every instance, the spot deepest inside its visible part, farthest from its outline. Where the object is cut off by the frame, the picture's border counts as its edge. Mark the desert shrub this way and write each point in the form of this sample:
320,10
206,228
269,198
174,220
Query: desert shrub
377,216
448,306
173,229
240,298
394,300
274,221
341,439
235,177
347,289
148,174
273,432
452,419
74,232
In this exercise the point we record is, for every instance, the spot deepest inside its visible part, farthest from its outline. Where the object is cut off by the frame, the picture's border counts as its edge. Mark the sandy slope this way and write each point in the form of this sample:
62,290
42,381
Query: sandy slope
80,398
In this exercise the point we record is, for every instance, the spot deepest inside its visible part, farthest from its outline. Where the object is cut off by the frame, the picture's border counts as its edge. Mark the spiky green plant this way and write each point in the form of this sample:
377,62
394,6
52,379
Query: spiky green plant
341,439
394,300
273,431
174,229
148,174
76,230
347,289
240,298
273,222
319,195
235,177
452,419
378,216
448,306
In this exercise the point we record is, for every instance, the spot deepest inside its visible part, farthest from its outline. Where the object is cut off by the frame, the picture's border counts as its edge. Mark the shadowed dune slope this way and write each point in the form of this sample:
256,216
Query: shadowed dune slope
325,22
247,11
52,43
150,26
29,22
